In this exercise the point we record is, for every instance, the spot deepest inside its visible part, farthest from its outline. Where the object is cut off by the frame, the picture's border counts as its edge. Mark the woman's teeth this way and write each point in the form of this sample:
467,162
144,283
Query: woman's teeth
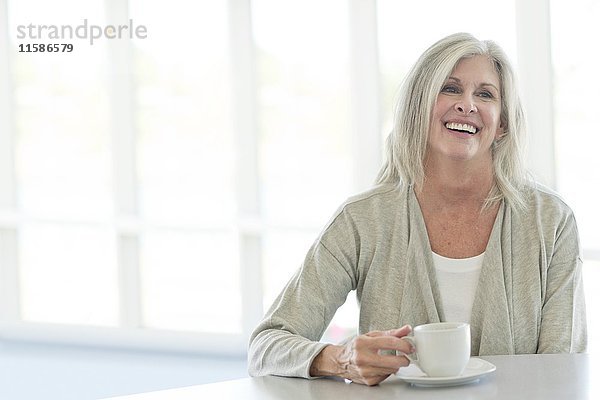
461,127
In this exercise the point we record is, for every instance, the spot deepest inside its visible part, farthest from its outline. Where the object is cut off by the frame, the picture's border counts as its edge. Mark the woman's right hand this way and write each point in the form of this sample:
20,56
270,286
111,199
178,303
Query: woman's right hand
363,359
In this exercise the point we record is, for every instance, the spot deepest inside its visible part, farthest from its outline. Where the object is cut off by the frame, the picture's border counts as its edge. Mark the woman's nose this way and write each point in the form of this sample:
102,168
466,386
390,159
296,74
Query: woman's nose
465,106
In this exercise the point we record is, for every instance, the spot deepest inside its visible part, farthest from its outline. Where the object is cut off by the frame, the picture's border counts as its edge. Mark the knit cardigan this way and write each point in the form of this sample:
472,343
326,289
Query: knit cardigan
529,297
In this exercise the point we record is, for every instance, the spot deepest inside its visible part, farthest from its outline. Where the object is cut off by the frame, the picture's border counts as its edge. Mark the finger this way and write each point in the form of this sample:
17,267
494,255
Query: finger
373,371
376,380
370,380
389,343
399,332
364,360
390,362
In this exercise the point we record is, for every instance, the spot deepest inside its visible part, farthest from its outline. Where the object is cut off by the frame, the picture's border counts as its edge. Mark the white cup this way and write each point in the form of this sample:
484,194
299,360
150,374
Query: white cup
442,349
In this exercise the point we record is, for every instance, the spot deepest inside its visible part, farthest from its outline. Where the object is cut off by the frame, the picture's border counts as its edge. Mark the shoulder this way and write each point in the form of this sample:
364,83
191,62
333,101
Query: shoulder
546,206
540,196
384,193
380,199
380,203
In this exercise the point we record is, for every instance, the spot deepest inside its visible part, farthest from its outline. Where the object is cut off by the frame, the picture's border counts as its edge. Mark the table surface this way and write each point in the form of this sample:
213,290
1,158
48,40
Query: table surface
544,376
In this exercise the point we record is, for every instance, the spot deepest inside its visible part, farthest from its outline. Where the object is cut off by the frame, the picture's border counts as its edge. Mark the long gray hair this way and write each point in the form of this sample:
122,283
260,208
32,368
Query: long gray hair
406,145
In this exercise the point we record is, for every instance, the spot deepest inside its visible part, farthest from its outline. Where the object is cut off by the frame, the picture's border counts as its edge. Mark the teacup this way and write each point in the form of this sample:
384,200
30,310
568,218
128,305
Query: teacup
441,349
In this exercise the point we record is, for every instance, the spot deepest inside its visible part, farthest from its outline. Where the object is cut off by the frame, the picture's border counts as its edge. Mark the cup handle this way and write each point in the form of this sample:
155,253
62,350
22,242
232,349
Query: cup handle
413,357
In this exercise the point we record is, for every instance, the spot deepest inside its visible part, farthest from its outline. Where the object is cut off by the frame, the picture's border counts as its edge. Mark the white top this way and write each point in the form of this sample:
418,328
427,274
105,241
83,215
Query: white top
457,279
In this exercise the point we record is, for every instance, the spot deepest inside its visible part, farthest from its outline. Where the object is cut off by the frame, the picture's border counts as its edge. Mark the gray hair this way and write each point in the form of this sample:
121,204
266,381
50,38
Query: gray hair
406,145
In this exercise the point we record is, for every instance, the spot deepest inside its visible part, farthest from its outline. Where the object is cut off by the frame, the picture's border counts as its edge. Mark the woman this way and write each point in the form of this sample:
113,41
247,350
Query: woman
452,232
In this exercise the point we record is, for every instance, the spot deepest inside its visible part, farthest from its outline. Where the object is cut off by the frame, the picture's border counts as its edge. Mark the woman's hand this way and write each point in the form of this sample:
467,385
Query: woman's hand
364,359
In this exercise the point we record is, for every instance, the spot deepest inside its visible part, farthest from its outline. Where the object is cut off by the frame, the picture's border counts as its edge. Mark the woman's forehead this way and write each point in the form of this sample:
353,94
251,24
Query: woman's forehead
477,68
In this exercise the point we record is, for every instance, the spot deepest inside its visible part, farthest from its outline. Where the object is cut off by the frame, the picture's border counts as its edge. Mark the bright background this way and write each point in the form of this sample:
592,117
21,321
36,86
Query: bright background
159,193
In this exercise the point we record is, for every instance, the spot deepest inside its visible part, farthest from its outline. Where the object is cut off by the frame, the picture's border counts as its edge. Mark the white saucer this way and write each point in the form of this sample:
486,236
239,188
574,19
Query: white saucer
475,369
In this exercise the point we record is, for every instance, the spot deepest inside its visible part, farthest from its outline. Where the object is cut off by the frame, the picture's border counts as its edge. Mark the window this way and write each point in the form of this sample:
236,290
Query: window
185,168
66,253
304,146
575,119
164,190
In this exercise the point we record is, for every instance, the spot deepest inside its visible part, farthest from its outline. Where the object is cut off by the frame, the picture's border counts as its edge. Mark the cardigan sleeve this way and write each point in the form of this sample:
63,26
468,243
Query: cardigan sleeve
287,339
563,323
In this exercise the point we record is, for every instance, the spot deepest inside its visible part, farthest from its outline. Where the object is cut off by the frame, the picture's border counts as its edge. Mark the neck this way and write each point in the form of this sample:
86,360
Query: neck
457,182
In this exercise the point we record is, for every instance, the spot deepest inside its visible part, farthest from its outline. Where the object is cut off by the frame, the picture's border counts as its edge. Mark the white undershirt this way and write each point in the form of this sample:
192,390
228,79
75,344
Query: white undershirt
457,280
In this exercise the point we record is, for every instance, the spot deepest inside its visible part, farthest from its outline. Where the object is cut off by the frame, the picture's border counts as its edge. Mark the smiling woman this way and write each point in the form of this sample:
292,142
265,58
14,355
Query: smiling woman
441,194
447,95
466,116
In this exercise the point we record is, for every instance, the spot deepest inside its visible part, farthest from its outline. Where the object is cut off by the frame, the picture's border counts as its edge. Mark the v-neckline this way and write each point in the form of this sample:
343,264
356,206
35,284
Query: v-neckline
423,226
421,230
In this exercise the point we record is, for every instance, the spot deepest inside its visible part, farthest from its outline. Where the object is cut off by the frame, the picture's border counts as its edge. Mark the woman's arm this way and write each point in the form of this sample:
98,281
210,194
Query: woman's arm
286,341
563,324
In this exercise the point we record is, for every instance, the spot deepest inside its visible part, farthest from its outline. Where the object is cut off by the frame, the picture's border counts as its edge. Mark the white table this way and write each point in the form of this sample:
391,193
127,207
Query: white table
529,377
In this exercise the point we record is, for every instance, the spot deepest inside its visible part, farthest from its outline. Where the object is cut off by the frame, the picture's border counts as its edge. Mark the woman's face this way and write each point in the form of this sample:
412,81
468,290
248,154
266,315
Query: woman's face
466,115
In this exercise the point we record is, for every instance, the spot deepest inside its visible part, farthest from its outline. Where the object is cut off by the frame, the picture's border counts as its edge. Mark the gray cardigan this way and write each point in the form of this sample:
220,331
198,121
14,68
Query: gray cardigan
529,298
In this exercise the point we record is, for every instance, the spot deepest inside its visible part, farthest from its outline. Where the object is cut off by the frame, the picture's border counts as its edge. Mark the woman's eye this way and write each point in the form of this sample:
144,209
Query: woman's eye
450,89
486,94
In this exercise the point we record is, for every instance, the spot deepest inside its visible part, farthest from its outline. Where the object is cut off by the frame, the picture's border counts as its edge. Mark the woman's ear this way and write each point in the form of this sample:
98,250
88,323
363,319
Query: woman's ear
502,129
